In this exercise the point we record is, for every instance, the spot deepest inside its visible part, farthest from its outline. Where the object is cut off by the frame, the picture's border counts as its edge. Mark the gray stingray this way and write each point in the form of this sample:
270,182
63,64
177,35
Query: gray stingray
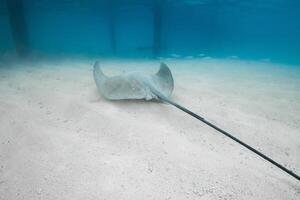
137,85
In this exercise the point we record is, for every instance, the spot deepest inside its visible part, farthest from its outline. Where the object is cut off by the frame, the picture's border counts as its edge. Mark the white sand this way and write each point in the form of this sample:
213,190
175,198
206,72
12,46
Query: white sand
60,140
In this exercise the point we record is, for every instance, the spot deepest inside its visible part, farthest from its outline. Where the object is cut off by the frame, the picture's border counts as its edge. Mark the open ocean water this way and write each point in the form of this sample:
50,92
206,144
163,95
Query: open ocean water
247,29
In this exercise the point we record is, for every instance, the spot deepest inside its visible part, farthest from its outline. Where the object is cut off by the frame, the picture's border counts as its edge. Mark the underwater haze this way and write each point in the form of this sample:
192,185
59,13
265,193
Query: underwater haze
249,29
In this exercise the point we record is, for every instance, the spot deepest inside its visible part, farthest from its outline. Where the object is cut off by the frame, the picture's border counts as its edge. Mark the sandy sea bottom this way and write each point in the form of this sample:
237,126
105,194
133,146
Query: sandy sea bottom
59,139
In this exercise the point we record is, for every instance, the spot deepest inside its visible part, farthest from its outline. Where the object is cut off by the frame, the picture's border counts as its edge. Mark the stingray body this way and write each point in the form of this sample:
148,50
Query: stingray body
135,85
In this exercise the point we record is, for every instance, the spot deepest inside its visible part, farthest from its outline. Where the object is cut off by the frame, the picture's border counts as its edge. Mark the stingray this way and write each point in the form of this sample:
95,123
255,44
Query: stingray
135,85
158,86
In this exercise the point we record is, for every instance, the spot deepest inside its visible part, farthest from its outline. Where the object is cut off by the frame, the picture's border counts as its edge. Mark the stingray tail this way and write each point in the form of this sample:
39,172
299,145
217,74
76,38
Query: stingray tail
257,152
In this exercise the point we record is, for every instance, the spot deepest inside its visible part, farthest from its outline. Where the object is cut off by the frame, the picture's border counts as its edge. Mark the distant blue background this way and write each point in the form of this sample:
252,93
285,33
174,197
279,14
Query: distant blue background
250,29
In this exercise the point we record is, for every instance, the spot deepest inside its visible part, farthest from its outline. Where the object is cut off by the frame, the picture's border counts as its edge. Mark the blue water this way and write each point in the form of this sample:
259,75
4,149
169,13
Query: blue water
248,29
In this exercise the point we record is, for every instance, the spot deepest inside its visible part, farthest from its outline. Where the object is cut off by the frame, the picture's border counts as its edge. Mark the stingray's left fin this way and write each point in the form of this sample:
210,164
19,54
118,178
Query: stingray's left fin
99,76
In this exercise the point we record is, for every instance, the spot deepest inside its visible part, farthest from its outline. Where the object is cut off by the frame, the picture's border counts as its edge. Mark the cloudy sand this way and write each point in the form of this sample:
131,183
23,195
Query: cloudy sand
59,139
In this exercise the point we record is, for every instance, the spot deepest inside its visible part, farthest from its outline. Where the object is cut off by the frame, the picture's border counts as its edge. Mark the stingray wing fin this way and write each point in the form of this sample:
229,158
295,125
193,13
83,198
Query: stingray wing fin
165,80
99,76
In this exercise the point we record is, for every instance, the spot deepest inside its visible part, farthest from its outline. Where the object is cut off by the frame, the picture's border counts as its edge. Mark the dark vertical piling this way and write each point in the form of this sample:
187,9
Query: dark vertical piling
112,26
18,26
157,23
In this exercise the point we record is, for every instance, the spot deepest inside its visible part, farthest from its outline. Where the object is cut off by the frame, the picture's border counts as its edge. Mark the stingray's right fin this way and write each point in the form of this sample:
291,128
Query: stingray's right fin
165,79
